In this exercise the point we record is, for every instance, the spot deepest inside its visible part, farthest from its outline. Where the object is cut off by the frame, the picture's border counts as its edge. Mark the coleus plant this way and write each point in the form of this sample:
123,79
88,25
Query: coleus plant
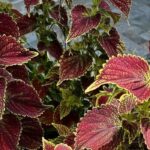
55,97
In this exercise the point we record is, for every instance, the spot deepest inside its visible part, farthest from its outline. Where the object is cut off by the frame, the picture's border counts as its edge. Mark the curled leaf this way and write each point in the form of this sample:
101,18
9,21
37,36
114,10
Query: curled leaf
129,72
12,52
8,26
10,130
98,128
82,22
22,99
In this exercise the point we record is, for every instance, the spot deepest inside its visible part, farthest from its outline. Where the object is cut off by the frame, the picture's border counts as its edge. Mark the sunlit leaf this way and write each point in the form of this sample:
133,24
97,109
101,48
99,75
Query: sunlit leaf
129,72
12,52
10,129
2,95
98,128
123,5
73,66
22,99
59,14
145,129
82,21
112,43
8,26
32,133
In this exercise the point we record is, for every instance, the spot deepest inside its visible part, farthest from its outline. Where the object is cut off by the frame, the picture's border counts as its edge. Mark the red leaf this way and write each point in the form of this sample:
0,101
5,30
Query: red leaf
123,5
73,66
98,128
62,146
59,13
11,52
22,99
26,24
111,43
69,140
145,129
47,117
129,72
127,103
104,6
8,26
54,48
81,22
10,129
42,90
47,145
19,72
32,133
2,95
4,73
29,3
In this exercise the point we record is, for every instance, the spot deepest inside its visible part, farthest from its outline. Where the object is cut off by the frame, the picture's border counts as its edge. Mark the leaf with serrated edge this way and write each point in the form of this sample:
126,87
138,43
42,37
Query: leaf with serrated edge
12,52
10,130
5,74
47,145
123,5
73,66
19,72
98,128
3,85
127,103
32,133
22,99
145,129
112,43
82,23
8,26
62,146
129,72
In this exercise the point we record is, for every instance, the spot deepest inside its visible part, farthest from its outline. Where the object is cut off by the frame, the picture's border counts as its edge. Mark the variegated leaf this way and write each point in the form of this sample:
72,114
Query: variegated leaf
129,72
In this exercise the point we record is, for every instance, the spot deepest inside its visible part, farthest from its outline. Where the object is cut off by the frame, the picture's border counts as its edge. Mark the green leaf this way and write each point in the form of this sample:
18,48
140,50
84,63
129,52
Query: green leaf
62,129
